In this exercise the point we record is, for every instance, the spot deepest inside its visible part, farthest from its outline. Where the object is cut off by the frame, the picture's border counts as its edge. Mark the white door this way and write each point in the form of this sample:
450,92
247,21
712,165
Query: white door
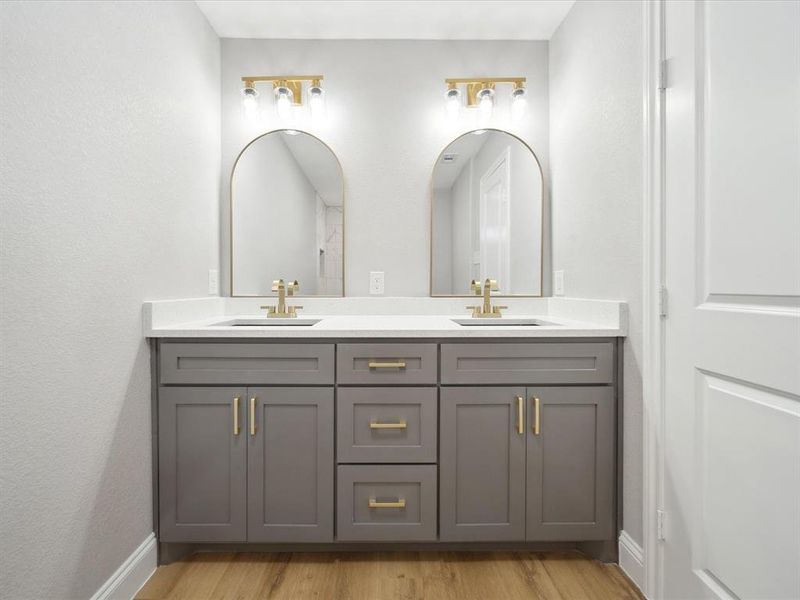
495,225
731,477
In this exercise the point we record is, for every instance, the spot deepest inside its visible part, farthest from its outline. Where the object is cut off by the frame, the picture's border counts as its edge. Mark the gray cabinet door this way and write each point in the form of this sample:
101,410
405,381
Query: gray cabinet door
202,465
482,464
570,495
290,465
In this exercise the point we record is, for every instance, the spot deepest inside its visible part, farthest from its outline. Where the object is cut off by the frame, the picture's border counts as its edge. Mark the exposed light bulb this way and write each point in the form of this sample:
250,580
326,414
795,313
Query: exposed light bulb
519,103
316,102
283,101
486,103
250,103
452,103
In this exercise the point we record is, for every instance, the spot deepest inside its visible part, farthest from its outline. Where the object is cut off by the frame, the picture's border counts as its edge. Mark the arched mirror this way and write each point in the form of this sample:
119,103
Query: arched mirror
486,215
287,216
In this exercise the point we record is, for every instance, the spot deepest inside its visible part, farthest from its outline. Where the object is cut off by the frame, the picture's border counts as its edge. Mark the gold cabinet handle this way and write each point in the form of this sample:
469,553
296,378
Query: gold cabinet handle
236,428
387,365
252,416
400,425
400,503
536,416
520,415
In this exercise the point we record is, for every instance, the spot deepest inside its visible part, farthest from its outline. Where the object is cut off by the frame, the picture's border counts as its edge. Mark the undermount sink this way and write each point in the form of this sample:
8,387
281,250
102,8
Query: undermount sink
265,322
499,322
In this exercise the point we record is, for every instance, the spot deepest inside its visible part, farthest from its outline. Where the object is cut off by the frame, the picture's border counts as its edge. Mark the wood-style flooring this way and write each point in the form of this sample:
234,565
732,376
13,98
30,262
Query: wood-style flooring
390,576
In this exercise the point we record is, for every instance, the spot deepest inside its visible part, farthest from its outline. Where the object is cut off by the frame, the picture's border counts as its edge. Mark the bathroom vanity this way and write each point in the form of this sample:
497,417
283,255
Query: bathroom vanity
413,430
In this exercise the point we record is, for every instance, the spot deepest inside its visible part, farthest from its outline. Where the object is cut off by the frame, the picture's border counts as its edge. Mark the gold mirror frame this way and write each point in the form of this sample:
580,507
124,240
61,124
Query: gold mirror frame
230,214
541,229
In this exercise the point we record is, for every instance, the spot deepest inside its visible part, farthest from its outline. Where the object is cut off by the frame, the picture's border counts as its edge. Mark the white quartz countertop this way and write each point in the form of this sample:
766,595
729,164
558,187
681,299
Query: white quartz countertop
362,318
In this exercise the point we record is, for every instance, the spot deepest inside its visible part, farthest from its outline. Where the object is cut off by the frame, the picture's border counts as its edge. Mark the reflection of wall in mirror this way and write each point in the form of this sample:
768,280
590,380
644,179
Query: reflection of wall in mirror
274,224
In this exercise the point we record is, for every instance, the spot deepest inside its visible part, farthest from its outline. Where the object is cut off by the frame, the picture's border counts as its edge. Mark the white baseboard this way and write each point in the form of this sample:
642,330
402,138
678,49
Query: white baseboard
631,559
132,574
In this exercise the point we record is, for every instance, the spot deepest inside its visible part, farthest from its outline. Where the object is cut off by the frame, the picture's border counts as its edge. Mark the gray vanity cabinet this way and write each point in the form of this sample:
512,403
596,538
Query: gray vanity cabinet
202,456
290,465
570,470
482,464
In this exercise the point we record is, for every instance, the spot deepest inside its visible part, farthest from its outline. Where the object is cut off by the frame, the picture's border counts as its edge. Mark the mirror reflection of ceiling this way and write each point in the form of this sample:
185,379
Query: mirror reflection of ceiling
452,161
315,161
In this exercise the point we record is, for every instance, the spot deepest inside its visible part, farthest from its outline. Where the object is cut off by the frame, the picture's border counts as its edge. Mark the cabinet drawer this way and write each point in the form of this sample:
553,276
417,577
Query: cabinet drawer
386,425
386,363
386,503
590,362
247,363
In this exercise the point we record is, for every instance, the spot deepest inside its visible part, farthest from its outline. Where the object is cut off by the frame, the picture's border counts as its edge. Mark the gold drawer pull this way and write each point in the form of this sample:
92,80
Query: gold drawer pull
536,416
520,415
387,365
400,425
401,503
252,416
236,428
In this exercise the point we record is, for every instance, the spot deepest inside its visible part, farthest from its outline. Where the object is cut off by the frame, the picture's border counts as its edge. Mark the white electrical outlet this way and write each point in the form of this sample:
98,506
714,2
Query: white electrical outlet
213,282
558,283
376,283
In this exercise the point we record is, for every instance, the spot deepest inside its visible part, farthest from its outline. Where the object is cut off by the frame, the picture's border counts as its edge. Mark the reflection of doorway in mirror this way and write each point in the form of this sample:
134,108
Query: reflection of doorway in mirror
329,247
495,221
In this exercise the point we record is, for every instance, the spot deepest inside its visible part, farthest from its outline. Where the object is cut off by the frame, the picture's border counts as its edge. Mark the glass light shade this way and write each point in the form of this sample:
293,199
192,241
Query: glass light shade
486,103
250,103
283,101
519,103
453,103
316,102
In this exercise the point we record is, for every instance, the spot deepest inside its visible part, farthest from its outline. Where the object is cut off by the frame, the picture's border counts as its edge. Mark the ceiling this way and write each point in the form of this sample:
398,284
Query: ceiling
386,19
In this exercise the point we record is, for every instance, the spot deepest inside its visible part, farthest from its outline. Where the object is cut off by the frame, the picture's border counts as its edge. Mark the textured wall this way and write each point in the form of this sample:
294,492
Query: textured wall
110,175
596,172
387,124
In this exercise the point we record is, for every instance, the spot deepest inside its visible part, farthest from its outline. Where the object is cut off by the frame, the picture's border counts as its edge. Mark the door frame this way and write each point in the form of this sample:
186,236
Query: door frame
503,158
654,295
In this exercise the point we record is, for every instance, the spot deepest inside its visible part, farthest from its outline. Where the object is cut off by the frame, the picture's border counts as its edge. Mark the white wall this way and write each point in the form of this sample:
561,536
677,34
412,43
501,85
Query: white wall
387,125
275,227
596,173
110,168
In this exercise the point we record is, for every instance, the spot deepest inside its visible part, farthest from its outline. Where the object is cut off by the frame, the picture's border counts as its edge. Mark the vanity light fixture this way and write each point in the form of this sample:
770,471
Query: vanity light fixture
288,92
481,94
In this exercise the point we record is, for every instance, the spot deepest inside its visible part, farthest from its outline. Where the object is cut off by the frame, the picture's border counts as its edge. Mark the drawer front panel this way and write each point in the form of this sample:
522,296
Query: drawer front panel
590,362
378,364
386,425
385,503
194,363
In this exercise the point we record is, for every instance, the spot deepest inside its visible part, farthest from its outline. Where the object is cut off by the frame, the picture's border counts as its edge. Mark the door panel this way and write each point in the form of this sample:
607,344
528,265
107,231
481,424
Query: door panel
570,470
202,462
482,464
731,415
290,465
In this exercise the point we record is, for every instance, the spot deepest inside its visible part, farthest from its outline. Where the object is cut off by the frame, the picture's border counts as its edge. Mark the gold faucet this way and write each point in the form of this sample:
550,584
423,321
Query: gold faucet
283,289
486,311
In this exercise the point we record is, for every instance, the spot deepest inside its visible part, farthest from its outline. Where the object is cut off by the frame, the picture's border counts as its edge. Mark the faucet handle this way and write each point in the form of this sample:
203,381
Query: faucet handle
292,287
475,310
277,284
